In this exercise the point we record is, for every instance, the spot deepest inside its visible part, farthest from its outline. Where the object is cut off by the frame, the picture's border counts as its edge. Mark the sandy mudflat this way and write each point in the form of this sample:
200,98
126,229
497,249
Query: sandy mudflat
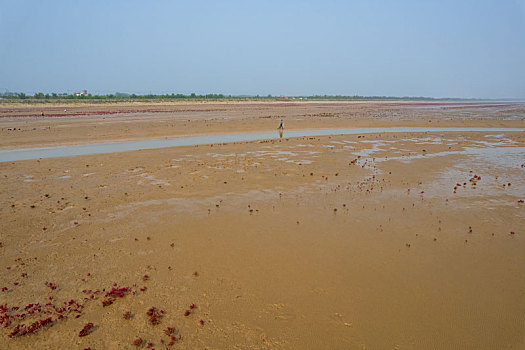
380,241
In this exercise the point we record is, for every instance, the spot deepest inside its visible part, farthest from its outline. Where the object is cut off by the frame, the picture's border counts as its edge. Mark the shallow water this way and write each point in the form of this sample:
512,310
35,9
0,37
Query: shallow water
498,163
497,166
99,148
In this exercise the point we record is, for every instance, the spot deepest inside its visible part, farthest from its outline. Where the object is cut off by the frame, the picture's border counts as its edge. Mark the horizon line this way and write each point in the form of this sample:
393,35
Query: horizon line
84,95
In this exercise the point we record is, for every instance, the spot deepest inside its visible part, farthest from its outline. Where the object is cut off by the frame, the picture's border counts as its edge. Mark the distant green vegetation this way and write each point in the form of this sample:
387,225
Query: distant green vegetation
119,96
115,96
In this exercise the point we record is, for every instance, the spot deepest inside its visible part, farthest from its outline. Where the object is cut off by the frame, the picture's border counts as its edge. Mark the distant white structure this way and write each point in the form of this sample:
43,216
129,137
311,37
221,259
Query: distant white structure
83,93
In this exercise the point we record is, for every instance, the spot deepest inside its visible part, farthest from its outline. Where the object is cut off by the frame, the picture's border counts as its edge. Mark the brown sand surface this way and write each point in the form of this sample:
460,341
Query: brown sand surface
380,241
22,126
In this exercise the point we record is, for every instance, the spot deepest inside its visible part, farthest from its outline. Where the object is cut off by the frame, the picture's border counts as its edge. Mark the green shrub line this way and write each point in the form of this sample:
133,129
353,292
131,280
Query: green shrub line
125,97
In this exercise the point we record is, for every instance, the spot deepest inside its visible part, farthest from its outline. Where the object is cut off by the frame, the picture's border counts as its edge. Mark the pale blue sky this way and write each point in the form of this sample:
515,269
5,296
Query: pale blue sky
396,48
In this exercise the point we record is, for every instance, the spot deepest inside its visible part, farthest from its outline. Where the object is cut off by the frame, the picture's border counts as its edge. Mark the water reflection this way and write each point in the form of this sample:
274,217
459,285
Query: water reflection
78,150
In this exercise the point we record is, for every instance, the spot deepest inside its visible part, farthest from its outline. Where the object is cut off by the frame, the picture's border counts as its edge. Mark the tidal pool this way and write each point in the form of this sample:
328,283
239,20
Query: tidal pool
111,147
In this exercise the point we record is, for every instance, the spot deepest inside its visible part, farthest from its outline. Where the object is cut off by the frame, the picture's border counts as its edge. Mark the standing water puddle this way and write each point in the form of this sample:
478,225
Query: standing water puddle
98,148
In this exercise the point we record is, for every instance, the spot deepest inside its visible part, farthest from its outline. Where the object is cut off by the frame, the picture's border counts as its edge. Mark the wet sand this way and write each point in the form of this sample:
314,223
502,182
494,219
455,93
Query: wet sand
391,241
21,125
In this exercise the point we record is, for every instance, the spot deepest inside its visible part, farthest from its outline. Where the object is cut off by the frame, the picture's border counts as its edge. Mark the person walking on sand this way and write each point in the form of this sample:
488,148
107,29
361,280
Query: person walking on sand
281,125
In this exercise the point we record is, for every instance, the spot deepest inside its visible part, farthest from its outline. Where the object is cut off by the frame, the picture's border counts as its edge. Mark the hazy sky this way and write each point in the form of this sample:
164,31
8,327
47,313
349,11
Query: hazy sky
397,48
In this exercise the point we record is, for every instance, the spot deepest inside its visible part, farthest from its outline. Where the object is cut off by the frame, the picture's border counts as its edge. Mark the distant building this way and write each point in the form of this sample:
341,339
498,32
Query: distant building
83,93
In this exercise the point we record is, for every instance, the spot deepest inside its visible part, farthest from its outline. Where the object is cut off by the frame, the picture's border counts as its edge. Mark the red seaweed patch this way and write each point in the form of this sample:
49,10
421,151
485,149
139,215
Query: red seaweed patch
86,330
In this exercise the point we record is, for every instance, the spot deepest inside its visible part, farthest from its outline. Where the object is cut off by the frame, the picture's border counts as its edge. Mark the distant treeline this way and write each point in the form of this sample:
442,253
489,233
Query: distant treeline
119,96
115,96
361,98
